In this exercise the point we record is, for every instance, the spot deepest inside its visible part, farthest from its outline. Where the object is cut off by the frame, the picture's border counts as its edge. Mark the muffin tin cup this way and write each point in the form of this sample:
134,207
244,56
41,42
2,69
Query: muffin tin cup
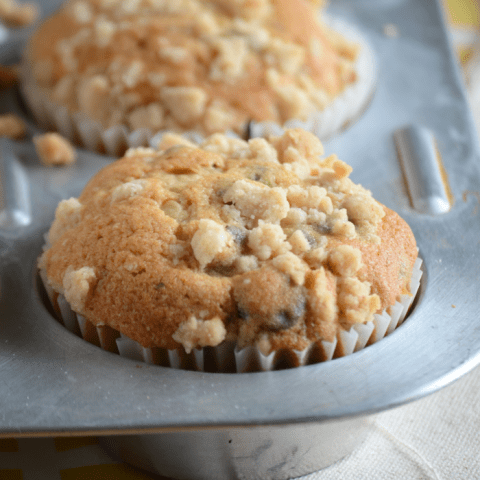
228,357
90,134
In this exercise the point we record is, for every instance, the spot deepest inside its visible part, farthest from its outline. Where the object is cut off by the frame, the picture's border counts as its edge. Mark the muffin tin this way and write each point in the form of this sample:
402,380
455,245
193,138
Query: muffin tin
285,423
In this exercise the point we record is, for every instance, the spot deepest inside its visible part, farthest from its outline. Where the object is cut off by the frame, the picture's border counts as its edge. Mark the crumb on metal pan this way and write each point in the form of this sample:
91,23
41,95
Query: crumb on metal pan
12,126
53,149
391,30
8,75
14,14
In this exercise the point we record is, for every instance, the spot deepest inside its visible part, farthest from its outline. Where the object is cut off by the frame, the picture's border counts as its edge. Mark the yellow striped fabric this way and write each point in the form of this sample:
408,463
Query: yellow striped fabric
63,458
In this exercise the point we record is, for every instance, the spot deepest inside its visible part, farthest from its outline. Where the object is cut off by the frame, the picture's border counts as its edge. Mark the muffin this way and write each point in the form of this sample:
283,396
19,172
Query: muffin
110,73
262,250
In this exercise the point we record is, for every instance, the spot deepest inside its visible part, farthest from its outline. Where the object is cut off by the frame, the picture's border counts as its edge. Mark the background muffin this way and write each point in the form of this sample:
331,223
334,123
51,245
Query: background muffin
263,245
189,65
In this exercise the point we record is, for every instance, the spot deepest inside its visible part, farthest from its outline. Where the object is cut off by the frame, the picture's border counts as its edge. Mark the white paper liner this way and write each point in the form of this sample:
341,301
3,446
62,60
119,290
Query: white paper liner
69,317
227,357
347,106
364,332
90,134
128,348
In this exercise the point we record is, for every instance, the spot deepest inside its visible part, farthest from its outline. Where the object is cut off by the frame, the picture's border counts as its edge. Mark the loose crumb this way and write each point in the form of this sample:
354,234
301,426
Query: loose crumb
391,30
53,149
12,126
14,14
8,76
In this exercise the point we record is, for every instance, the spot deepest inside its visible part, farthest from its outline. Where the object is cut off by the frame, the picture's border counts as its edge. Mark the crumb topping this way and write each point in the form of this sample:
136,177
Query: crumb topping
206,65
67,215
12,126
226,228
257,202
8,76
15,14
53,149
76,286
196,333
209,240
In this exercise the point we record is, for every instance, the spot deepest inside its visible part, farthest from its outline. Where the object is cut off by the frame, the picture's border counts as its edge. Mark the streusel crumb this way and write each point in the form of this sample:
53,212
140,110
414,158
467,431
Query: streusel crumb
76,286
53,149
196,333
15,14
8,75
12,126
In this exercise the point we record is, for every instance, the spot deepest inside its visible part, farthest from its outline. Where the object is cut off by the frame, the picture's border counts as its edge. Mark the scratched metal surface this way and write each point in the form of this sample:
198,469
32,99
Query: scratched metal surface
52,382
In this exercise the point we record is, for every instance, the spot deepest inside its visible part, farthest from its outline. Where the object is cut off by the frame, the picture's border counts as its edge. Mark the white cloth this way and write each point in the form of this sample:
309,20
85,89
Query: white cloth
437,437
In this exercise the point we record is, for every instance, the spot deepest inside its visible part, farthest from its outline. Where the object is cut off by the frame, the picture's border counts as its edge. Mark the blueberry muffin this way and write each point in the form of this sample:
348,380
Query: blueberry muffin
100,70
260,244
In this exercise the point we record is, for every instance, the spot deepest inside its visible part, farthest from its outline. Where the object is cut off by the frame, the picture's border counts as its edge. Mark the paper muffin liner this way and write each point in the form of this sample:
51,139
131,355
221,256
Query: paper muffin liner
90,134
227,357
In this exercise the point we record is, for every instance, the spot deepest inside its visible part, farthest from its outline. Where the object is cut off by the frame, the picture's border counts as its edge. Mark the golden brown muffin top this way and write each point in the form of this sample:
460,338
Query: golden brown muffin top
204,65
266,243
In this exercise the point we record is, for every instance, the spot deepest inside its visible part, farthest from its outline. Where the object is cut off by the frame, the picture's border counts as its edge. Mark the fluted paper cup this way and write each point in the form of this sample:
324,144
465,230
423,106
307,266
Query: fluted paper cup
227,357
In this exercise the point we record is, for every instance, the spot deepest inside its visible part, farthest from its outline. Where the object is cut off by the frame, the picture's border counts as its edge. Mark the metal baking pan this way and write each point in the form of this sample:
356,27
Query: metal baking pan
285,423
